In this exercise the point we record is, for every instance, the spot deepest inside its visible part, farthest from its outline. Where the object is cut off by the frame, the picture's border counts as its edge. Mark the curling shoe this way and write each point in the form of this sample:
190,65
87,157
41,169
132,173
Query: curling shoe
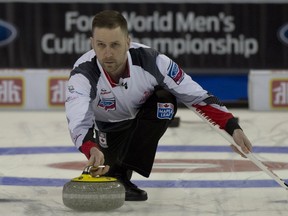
132,192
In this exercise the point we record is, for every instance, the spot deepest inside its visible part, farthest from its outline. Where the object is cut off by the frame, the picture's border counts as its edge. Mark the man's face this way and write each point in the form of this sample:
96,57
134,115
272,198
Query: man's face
110,46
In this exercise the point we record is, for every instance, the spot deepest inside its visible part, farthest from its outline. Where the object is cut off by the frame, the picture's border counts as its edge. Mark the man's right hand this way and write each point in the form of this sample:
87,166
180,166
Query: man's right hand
97,159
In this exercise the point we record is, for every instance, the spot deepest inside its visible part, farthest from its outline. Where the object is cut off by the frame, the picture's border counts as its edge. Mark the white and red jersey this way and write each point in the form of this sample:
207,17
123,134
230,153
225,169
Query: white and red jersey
92,97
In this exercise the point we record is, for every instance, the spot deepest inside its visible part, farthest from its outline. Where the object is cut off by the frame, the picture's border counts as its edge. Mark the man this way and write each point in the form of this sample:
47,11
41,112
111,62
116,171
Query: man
121,97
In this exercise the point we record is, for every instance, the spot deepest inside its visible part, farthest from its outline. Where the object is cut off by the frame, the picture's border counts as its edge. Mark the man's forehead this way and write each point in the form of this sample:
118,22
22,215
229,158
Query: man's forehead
107,41
108,35
104,30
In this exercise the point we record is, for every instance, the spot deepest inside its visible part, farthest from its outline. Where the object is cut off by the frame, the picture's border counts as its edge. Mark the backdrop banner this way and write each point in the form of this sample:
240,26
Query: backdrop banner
241,36
268,90
33,89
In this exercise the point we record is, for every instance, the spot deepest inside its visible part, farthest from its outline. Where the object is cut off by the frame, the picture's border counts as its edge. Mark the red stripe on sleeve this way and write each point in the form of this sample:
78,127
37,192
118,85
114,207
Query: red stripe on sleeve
86,146
218,116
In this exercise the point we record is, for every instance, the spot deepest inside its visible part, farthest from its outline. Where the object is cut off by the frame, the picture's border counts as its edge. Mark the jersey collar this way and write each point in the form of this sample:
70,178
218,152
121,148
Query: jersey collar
126,74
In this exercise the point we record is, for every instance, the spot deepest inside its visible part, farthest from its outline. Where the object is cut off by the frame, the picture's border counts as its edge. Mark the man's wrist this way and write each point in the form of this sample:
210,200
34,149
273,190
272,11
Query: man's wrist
231,125
86,147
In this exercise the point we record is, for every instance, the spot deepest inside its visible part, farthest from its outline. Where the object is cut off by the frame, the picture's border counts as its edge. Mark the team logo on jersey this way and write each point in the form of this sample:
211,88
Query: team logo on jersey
165,110
175,72
107,104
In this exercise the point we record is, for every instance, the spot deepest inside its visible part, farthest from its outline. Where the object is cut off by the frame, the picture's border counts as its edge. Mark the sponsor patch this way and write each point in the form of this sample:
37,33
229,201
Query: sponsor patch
102,139
107,104
71,89
165,110
175,72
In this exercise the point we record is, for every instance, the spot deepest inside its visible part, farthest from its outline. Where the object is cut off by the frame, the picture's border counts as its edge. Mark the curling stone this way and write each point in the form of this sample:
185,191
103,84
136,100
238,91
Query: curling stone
88,193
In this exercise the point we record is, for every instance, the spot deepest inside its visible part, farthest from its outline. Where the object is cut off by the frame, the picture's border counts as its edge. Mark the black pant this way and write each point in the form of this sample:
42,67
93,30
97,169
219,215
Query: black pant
134,148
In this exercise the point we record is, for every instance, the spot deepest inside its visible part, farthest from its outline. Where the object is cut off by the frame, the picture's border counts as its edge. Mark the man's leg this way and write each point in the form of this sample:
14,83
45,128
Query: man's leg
151,123
135,148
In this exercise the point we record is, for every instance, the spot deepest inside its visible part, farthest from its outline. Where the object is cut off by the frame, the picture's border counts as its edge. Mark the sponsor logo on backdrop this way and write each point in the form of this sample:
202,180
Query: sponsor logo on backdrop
11,91
56,91
7,33
283,34
185,29
279,93
78,26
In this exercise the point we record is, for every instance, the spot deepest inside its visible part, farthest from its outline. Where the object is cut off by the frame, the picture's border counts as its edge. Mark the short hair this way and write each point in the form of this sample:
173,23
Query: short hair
109,19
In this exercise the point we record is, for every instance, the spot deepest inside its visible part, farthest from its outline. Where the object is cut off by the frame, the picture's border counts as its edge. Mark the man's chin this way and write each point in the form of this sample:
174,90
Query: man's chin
109,69
109,66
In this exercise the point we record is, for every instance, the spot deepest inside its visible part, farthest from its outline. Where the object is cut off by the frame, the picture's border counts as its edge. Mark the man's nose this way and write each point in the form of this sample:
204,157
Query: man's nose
108,52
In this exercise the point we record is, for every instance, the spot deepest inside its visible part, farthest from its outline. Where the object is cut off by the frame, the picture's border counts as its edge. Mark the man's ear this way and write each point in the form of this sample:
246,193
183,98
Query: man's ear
91,41
128,41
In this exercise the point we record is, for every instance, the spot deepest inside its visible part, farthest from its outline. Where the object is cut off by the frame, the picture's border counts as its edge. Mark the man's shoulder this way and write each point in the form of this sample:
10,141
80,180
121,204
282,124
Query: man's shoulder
142,48
141,52
86,57
87,66
136,45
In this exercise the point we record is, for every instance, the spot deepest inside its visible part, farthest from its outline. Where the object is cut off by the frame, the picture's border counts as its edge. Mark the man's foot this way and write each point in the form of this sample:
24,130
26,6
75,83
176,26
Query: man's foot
132,192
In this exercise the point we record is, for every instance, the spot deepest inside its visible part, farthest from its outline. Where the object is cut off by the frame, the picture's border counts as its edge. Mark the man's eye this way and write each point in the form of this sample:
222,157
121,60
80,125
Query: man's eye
115,45
100,45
